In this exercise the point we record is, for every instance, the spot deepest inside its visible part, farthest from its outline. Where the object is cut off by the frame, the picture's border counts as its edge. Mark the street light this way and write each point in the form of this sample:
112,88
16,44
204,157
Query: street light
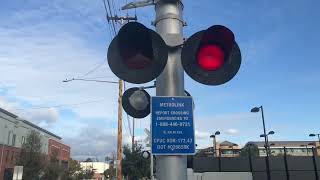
255,110
267,145
270,132
264,135
215,142
314,135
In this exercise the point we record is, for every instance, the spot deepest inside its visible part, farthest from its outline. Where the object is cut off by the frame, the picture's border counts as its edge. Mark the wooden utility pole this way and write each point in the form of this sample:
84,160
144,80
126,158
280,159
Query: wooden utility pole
119,145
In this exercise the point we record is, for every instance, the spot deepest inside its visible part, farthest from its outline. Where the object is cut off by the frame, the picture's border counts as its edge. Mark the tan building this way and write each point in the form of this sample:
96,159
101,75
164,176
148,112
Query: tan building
293,148
223,149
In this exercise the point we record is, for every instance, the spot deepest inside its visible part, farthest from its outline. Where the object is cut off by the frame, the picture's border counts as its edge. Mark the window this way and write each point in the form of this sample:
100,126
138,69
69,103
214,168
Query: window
23,140
7,155
12,156
9,137
14,140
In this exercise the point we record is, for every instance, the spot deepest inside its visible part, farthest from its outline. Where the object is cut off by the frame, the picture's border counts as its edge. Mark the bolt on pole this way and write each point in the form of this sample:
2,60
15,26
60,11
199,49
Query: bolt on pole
169,21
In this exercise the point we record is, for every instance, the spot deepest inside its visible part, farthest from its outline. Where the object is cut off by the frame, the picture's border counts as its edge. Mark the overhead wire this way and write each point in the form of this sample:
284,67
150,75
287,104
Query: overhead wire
107,16
128,118
61,105
96,67
111,15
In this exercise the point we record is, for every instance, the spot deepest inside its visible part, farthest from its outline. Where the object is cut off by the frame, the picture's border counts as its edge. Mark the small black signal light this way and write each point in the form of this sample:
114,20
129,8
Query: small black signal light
137,54
212,56
136,102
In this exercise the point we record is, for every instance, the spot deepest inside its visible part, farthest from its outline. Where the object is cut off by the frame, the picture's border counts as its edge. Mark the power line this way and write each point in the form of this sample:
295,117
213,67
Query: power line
61,105
128,120
99,77
92,70
112,23
93,80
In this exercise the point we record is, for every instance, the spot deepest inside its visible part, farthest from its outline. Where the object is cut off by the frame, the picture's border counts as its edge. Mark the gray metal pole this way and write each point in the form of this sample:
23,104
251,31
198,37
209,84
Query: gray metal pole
151,166
266,144
171,82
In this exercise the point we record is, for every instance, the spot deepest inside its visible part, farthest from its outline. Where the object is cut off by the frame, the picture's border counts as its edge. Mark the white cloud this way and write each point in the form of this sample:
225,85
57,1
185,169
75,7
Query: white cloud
232,131
36,65
48,116
37,53
42,117
92,141
201,135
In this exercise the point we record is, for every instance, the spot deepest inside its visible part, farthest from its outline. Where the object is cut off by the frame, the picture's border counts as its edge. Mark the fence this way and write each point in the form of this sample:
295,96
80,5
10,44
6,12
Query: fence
280,167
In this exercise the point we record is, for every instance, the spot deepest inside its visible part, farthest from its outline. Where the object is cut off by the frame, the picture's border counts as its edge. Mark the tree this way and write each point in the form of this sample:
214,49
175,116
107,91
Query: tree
53,169
31,157
134,166
251,149
75,172
111,172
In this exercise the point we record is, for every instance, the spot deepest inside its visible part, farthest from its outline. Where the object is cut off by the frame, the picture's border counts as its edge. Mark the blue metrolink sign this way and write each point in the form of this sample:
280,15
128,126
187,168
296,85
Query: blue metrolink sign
172,126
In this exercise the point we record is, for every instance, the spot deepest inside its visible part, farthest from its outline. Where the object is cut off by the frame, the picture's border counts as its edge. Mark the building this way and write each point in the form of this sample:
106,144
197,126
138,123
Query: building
293,148
223,149
97,167
13,133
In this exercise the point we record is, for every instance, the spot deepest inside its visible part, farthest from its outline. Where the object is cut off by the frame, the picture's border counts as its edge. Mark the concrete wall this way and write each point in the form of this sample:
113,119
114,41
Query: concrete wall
219,175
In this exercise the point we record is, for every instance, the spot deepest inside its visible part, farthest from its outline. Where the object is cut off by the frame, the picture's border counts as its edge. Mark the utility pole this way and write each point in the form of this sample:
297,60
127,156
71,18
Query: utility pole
119,143
122,21
169,22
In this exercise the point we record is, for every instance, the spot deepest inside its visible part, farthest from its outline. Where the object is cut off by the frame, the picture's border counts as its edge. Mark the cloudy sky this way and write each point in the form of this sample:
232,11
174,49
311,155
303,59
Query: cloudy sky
45,42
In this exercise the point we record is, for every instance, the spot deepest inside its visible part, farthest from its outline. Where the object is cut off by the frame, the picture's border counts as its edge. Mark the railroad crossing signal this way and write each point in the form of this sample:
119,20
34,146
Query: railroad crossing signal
137,54
212,56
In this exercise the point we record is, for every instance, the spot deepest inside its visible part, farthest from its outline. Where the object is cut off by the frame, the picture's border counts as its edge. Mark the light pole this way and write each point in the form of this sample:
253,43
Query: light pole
313,135
214,146
255,110
267,145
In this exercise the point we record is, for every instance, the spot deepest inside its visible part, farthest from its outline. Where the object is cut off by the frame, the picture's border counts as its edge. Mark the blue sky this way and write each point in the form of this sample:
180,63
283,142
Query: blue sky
43,43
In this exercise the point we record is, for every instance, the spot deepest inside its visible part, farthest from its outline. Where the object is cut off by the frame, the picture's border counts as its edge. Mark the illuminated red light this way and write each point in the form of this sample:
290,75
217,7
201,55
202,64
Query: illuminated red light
210,57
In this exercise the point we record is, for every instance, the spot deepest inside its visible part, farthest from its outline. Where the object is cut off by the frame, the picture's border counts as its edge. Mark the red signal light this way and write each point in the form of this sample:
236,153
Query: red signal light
138,61
210,57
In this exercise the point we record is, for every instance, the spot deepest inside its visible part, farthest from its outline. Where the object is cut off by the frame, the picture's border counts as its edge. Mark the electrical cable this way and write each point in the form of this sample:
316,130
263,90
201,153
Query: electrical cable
61,105
92,70
110,12
128,119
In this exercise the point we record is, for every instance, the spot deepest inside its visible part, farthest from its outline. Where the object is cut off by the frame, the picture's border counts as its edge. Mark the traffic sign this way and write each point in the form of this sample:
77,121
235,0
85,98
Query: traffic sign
172,127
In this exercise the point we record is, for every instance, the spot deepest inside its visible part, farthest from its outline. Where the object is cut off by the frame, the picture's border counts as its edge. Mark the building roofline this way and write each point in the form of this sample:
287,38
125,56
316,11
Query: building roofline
8,113
28,123
39,128
292,143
